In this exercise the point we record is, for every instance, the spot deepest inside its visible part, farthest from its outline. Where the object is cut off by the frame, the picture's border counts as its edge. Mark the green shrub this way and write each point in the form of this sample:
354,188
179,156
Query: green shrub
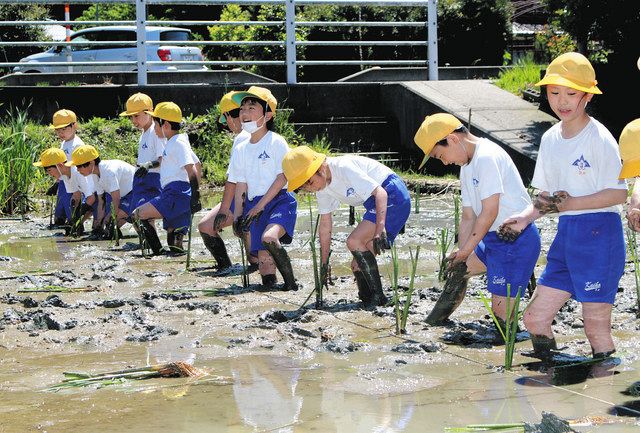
524,74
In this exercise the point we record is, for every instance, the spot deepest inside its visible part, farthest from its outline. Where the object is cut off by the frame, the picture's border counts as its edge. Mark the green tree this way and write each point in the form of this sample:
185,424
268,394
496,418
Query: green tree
21,33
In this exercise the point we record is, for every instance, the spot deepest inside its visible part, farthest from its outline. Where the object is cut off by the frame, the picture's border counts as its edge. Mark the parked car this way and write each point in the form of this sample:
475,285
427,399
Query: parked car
116,52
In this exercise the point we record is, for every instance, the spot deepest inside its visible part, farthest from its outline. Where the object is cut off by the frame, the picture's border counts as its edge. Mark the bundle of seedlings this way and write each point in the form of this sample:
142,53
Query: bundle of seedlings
402,311
509,328
172,369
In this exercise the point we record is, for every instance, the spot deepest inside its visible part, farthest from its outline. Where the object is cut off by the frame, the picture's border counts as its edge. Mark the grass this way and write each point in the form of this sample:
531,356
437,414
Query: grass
632,243
522,76
510,332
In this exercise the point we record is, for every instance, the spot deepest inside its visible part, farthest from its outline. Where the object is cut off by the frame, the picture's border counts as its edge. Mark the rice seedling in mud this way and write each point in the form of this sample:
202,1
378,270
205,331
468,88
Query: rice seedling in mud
18,150
173,369
456,216
57,289
417,199
402,311
114,220
510,331
321,272
444,240
632,243
244,275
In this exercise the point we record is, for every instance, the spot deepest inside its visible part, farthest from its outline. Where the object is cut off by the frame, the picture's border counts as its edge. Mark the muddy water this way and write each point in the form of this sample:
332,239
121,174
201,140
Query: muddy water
338,369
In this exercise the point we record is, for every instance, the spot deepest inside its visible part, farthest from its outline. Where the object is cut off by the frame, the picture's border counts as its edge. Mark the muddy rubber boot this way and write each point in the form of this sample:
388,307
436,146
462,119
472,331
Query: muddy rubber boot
216,247
268,282
371,274
603,355
543,347
283,263
363,289
455,289
150,237
174,242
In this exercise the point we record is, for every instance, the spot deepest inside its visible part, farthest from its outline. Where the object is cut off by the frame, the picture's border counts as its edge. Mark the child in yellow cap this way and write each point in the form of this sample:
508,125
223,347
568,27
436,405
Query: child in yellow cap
577,175
263,206
113,180
65,126
221,215
491,191
630,154
354,180
82,192
179,198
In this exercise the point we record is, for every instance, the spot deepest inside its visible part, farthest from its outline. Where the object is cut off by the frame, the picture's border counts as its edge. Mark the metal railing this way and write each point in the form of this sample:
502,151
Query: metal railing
141,64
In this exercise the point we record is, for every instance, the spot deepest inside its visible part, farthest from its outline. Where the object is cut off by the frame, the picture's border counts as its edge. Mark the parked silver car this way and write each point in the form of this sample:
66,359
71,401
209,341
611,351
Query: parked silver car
116,52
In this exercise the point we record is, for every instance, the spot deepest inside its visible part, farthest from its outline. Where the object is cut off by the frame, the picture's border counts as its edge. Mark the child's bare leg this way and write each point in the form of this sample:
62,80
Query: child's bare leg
597,327
267,268
539,315
206,223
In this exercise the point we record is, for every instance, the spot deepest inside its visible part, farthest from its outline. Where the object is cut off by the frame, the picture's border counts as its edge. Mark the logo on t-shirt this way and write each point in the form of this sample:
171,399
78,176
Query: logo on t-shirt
475,182
582,164
350,191
263,156
164,152
144,145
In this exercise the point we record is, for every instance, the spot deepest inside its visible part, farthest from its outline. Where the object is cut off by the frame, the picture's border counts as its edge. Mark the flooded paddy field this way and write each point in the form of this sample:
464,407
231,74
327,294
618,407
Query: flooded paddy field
271,365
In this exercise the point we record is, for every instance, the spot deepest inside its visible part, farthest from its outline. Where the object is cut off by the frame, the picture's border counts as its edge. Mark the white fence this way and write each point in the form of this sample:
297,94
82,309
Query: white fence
141,64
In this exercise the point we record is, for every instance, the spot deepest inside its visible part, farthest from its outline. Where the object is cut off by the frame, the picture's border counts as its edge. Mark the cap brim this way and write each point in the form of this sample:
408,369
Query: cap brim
240,96
222,119
424,161
311,170
131,113
37,164
556,80
69,164
629,169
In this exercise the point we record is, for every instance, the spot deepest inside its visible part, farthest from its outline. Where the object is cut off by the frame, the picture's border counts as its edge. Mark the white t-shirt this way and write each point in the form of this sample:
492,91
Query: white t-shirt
353,179
177,153
491,171
258,164
582,165
115,175
150,147
77,182
70,145
242,136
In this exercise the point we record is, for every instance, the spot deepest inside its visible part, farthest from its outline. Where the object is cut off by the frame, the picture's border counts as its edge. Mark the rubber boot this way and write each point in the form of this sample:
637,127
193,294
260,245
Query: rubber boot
543,347
150,236
283,263
216,247
269,282
603,355
363,289
369,268
174,241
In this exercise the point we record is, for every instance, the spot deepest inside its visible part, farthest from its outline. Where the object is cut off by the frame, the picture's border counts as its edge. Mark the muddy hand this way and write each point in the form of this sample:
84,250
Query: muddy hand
237,226
246,226
561,198
380,243
218,221
507,233
546,204
633,219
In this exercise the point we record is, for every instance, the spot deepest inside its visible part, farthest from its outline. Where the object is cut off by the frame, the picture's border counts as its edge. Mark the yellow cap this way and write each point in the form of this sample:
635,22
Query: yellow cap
630,150
62,118
433,129
260,93
167,111
82,154
571,70
137,103
52,156
300,164
227,104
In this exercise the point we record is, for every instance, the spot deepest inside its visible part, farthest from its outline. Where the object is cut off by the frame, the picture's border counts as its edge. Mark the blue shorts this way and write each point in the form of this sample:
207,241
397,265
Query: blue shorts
145,188
398,206
125,203
509,263
63,202
282,210
587,257
174,204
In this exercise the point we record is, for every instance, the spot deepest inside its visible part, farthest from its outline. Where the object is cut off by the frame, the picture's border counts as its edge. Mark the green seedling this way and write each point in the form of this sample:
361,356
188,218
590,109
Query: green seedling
510,332
444,240
417,199
632,242
245,276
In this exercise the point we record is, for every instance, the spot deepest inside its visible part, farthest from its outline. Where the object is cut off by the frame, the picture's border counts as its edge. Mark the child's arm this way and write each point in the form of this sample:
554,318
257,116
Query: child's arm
633,212
601,199
223,212
240,196
115,205
195,187
279,183
324,228
473,233
380,196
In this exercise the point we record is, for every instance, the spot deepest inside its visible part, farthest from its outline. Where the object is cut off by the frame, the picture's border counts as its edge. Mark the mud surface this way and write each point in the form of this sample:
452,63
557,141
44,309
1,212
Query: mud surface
73,305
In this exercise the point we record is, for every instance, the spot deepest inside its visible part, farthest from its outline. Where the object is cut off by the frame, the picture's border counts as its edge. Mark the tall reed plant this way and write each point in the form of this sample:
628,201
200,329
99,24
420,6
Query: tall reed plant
510,331
444,240
632,243
17,153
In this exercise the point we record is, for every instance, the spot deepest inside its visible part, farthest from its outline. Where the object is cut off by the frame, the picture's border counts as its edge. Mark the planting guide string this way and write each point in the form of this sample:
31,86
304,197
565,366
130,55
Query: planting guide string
475,361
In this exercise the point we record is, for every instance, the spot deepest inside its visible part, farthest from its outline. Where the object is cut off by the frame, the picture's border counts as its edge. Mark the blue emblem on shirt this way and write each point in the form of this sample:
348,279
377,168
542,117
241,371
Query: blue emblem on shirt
350,191
475,182
582,164
263,156
164,152
144,145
